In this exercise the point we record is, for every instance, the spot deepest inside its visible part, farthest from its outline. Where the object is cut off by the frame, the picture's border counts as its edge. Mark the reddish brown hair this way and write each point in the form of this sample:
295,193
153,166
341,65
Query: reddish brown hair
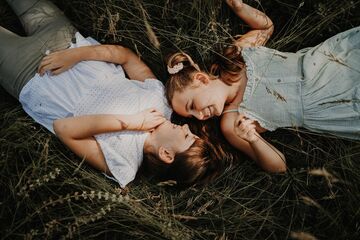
227,67
228,64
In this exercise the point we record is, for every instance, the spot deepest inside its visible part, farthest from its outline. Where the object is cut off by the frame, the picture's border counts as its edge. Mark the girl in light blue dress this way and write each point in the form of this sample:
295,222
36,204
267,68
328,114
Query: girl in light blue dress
254,88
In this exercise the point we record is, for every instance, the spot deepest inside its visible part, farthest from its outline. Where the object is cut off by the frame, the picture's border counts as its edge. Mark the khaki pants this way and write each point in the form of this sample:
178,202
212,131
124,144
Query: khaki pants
47,29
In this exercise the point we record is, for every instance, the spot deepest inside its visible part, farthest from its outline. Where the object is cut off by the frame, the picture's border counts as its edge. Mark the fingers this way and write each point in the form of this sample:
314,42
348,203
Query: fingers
246,129
54,69
240,119
252,135
160,120
156,122
151,119
44,62
246,125
46,65
52,64
57,71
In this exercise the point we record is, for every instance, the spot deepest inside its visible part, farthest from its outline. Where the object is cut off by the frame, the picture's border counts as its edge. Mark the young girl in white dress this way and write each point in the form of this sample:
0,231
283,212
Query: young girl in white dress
94,108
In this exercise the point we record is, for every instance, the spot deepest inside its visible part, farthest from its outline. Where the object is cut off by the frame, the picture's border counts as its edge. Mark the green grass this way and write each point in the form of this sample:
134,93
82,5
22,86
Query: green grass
47,192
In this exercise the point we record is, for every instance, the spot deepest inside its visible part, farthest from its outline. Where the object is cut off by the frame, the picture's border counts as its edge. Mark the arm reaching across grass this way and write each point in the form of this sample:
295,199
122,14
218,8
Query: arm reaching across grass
261,24
61,61
78,132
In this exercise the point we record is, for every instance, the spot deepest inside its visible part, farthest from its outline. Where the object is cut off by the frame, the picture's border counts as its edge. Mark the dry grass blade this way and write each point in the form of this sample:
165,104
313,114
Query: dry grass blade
149,31
324,173
309,201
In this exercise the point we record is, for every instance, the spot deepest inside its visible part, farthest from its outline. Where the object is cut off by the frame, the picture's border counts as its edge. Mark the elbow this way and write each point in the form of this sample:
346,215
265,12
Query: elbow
273,164
278,166
56,126
110,53
271,29
59,128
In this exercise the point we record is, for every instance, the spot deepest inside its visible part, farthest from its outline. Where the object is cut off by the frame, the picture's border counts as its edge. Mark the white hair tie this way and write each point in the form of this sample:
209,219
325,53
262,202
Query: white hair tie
176,68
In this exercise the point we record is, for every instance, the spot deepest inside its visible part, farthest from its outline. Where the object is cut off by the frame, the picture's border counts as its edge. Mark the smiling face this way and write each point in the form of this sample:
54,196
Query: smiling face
173,137
203,100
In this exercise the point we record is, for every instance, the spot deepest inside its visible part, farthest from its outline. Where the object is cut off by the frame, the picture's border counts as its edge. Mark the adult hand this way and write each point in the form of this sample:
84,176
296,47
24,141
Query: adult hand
146,120
235,4
58,62
245,129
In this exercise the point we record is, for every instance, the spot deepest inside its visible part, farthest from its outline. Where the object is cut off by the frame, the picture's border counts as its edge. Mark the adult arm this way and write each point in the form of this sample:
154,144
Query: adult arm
261,24
61,61
242,135
78,132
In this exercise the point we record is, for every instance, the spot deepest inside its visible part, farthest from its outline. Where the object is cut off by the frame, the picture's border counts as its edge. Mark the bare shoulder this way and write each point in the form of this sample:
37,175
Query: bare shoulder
230,114
227,122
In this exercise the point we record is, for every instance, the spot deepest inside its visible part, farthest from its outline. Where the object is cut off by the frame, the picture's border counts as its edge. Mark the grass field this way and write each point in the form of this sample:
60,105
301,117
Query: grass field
49,193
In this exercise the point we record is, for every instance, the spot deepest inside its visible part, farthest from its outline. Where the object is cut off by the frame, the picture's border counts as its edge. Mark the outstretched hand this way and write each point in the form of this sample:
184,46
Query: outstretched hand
245,129
58,62
147,120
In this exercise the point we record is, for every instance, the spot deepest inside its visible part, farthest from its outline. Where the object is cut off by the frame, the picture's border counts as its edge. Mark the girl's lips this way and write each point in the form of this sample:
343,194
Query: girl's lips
208,113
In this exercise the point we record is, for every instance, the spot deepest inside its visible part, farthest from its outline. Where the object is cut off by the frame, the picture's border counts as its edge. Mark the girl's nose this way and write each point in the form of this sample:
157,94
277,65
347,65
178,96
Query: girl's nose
199,115
185,128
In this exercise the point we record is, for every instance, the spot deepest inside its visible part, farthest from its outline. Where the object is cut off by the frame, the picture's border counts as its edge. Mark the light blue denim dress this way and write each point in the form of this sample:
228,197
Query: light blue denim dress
315,88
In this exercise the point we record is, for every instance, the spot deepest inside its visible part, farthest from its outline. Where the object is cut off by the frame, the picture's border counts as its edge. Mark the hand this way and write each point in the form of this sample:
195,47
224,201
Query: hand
58,62
146,120
245,129
235,4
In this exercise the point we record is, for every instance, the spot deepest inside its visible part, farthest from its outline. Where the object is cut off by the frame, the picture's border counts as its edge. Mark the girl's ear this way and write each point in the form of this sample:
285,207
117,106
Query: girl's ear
201,77
165,155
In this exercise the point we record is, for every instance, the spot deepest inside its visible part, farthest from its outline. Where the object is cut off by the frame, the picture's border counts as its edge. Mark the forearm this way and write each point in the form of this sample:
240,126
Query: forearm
134,67
107,53
253,17
267,156
87,126
78,134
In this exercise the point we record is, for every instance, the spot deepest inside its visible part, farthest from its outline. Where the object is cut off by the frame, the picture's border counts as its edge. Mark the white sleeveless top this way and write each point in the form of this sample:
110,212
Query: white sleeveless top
93,87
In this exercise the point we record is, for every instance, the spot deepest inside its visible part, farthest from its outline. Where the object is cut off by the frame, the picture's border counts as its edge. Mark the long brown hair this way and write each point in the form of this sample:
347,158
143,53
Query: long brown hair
228,64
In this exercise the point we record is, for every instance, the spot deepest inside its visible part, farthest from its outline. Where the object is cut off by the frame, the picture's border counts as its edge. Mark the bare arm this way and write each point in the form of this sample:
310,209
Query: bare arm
61,61
261,24
78,132
243,136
